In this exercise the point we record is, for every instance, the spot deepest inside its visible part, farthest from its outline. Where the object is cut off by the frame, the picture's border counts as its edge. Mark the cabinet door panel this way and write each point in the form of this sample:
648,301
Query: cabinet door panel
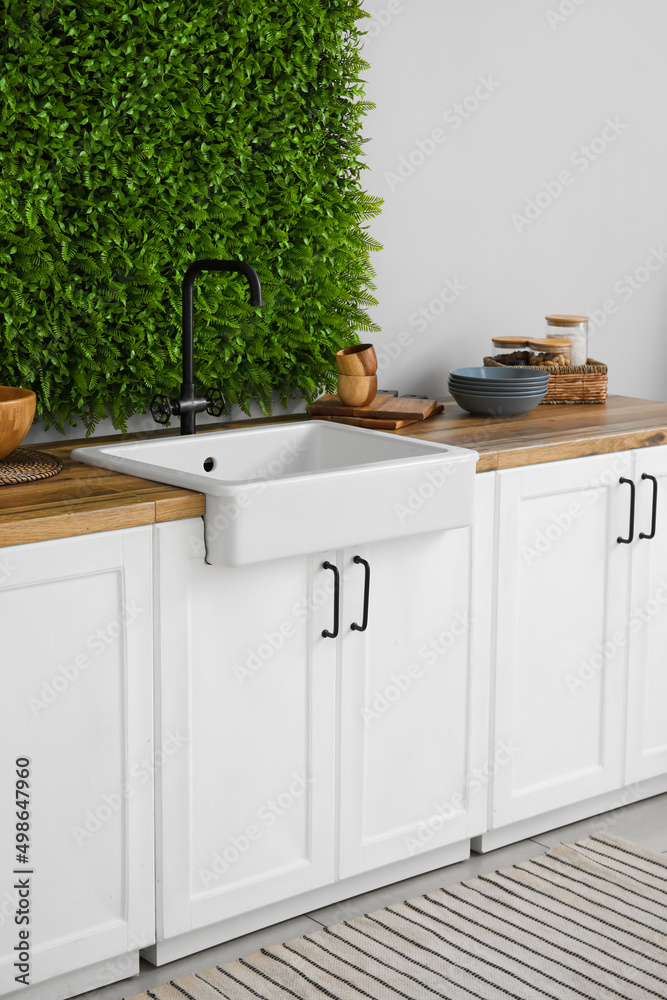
76,627
647,629
248,817
562,586
404,739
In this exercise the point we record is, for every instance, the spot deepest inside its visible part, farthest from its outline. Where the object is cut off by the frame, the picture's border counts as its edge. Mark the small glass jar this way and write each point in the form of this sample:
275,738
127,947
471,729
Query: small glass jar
510,350
574,327
550,352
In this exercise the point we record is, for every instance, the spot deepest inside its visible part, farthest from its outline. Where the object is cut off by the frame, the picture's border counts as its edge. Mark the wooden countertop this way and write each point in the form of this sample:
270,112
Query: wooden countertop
82,499
550,432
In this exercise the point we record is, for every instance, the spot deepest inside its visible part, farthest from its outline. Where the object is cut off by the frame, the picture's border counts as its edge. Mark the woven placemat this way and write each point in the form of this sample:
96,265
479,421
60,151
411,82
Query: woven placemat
26,465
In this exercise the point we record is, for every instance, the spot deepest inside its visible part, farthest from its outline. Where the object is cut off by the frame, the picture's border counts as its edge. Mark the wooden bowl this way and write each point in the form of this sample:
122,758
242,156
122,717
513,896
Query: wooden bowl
359,359
357,390
17,409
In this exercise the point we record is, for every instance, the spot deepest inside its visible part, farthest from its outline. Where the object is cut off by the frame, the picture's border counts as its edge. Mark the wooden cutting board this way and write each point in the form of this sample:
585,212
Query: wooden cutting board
383,407
375,423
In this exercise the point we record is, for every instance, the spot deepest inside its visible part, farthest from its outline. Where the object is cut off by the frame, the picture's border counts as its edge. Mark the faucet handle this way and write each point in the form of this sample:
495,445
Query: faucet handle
162,409
217,406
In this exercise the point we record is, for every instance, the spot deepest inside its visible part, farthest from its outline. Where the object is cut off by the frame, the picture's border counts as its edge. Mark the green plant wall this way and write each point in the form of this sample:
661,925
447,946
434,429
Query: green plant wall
138,135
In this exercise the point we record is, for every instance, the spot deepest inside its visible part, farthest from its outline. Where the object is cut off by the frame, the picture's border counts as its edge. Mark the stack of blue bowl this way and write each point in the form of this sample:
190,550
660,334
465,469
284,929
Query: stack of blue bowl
498,392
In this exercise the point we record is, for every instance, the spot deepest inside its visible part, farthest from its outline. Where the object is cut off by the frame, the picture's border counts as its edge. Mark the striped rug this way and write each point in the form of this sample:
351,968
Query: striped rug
586,920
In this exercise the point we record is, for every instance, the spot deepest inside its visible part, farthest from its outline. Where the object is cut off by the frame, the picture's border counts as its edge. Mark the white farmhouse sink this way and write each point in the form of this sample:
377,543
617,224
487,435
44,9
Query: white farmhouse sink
291,488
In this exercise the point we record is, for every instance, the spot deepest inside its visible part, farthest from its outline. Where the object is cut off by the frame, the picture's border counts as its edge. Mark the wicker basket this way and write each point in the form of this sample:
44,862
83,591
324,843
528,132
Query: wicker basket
571,383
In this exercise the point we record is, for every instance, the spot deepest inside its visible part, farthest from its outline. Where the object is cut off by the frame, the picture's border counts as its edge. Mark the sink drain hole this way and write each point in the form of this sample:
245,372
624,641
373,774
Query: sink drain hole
209,463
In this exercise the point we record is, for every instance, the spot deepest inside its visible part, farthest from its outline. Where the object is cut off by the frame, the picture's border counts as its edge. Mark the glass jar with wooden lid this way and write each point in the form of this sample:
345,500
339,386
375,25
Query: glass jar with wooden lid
574,327
549,351
511,350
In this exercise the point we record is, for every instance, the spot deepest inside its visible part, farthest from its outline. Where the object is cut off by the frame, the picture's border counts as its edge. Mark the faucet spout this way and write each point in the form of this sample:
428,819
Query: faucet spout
196,268
188,405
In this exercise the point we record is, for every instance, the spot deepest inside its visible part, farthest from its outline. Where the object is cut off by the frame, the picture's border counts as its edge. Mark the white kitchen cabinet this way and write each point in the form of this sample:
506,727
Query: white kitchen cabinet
563,587
76,639
407,683
245,815
311,758
289,764
646,623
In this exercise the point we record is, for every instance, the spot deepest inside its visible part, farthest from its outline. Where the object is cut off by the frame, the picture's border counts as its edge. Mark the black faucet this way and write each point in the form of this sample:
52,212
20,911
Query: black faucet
188,406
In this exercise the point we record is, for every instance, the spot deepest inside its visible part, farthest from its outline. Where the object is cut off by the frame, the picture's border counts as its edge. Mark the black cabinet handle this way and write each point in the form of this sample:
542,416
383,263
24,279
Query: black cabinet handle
654,512
326,634
367,590
626,541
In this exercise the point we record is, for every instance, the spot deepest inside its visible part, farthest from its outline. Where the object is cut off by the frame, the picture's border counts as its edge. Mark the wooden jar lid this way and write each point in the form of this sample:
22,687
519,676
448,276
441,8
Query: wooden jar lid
510,341
566,320
550,343
539,344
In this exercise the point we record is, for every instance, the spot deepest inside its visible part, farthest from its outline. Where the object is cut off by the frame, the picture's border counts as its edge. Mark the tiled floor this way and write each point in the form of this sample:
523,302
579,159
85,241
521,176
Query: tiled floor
644,823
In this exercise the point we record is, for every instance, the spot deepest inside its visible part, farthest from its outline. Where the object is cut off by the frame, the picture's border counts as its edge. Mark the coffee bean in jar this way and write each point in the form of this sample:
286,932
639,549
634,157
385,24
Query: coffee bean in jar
510,350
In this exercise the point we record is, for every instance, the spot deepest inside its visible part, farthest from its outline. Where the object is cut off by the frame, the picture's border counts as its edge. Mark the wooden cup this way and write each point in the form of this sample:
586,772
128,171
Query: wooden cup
360,359
357,390
17,409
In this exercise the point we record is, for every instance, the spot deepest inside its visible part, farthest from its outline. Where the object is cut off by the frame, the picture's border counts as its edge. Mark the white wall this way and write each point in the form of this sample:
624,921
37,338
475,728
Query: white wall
556,72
